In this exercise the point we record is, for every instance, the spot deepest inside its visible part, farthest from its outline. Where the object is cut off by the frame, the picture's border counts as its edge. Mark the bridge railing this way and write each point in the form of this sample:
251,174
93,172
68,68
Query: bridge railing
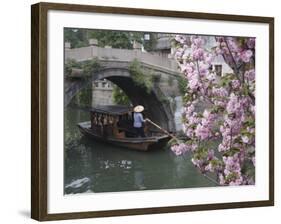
86,53
79,54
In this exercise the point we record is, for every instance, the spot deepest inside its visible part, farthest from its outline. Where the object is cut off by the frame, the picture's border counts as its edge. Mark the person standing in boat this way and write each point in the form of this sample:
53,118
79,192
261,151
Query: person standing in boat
139,121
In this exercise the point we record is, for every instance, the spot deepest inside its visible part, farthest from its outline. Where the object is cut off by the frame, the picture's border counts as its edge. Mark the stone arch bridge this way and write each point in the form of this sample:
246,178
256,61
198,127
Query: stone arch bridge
161,104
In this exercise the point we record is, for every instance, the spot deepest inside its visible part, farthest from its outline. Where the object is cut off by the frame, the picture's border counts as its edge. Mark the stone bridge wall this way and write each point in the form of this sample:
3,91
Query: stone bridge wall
86,53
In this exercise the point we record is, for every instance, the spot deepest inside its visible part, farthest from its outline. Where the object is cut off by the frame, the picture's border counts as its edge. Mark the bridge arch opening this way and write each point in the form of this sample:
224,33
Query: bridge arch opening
155,109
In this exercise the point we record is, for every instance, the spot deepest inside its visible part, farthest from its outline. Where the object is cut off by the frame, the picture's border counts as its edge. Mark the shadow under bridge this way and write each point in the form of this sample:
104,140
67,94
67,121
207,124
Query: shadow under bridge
156,109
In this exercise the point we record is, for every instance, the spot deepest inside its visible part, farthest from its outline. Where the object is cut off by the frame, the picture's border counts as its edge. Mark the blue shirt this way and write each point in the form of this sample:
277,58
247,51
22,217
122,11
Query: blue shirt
138,120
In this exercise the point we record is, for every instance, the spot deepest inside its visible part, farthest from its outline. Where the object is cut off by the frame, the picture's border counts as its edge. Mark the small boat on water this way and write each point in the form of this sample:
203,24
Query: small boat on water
114,124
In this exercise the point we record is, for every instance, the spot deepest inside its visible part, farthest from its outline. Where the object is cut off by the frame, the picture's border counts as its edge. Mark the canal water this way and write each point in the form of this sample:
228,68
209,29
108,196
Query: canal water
91,166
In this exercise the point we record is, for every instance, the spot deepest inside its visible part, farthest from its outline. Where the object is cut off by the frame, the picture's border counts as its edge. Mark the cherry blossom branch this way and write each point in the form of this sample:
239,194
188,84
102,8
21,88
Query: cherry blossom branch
237,119
236,71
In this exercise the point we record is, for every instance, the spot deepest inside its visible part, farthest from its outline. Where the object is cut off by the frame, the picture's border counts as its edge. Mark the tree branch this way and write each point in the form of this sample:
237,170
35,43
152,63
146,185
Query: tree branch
236,70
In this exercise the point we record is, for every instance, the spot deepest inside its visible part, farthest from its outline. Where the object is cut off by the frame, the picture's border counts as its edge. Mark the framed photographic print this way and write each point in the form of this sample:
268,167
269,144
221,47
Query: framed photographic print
139,111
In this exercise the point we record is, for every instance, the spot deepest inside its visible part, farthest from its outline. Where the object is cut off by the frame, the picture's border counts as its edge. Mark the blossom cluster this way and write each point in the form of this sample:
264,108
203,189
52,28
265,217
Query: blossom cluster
219,109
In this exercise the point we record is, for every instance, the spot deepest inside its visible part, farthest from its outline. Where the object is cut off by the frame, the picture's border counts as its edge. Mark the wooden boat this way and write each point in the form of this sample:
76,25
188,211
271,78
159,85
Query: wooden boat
114,125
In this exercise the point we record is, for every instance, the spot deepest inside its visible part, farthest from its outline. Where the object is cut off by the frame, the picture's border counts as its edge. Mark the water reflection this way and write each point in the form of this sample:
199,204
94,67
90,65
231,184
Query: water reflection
92,166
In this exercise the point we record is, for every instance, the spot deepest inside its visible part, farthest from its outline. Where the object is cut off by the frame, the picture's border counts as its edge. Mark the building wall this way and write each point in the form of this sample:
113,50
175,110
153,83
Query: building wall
102,93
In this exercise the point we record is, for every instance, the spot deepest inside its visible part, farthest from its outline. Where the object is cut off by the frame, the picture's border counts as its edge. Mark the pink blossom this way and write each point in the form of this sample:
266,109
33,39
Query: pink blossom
188,68
225,130
250,75
223,148
194,82
193,147
202,132
237,181
211,154
245,101
211,76
245,139
203,69
220,92
180,38
179,53
209,167
189,132
232,44
235,84
252,109
246,55
219,103
193,119
180,149
234,124
218,50
190,109
198,54
197,42
208,118
233,104
206,114
232,164
251,43
208,58
196,162
250,130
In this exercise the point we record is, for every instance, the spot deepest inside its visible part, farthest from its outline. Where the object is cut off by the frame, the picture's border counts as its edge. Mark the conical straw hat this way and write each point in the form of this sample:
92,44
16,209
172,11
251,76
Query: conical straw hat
138,108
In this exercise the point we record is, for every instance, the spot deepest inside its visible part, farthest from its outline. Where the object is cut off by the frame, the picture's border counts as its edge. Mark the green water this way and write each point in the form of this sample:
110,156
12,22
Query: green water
91,166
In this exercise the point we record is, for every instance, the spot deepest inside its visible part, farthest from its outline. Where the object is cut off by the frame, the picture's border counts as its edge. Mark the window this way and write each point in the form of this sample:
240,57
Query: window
218,70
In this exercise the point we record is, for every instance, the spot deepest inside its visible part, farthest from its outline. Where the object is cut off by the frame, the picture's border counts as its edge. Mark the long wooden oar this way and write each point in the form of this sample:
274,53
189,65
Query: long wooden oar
162,129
